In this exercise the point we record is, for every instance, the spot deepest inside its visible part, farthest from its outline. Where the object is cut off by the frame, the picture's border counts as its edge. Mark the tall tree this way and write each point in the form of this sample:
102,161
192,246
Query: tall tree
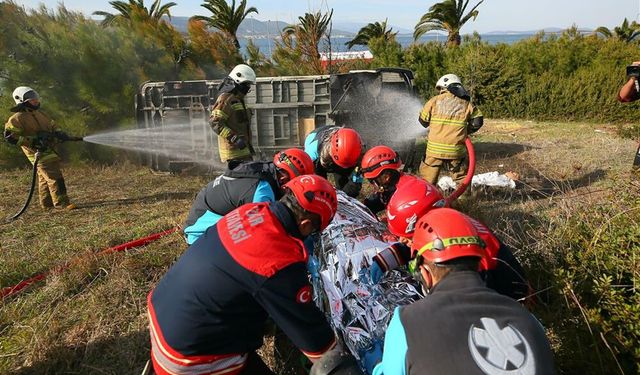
626,32
226,18
373,30
135,10
308,33
449,16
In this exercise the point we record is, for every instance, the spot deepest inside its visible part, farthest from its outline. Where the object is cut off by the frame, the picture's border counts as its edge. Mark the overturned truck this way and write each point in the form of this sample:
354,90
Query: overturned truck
380,104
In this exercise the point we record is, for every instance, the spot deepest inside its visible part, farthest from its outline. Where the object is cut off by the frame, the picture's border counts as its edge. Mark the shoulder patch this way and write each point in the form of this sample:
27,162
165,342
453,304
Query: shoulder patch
500,351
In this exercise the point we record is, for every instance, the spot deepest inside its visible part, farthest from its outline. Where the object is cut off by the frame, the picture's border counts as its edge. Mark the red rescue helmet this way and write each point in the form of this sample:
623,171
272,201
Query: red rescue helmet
346,147
444,234
409,203
294,161
316,195
379,159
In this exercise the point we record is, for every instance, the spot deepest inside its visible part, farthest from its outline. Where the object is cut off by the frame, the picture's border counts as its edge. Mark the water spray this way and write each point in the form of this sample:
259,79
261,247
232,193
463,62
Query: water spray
183,142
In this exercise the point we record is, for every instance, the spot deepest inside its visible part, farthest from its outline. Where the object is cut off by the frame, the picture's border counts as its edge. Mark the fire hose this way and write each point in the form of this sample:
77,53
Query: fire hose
33,187
13,290
470,172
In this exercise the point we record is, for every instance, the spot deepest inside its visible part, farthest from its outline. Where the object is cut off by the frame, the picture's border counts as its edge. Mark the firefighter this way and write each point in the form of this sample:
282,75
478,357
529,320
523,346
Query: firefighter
249,182
630,92
231,119
336,150
499,268
207,314
34,131
450,117
380,165
462,327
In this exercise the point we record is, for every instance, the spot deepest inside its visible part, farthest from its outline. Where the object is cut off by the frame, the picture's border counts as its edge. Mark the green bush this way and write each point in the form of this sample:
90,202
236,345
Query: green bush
594,309
544,78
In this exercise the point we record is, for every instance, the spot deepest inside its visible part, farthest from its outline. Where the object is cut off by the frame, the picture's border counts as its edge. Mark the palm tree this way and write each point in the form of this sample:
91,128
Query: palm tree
371,31
226,18
448,16
309,32
625,32
128,11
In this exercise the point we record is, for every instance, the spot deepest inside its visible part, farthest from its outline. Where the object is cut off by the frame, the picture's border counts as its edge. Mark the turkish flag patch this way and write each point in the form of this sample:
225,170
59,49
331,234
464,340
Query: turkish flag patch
304,295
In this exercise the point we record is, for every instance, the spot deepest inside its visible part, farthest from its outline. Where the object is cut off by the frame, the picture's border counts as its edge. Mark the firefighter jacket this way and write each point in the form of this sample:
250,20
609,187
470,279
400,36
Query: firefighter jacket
463,327
214,301
318,146
449,118
499,268
230,118
22,129
250,182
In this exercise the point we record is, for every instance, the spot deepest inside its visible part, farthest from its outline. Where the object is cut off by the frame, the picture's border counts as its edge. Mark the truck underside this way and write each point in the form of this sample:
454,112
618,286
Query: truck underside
380,104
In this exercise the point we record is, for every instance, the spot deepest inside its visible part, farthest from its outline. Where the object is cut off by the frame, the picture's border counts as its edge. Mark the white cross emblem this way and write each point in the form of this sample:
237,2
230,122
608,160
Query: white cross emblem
503,357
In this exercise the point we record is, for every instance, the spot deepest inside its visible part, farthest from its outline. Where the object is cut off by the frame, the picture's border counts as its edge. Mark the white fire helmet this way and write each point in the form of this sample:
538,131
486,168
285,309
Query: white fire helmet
24,93
243,73
447,80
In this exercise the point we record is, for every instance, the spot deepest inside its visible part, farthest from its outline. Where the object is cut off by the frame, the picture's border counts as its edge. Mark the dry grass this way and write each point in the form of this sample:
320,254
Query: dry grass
91,319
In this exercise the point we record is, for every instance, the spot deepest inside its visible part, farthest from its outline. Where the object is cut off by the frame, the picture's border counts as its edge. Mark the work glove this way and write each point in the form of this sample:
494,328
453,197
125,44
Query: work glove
237,141
372,357
352,189
39,143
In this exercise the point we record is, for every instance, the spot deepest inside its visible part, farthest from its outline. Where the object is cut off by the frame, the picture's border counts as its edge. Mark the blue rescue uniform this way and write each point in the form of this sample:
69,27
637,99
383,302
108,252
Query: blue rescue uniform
210,309
250,182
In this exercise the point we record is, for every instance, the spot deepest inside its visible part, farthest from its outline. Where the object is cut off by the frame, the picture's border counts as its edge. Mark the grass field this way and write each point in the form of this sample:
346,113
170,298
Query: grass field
575,193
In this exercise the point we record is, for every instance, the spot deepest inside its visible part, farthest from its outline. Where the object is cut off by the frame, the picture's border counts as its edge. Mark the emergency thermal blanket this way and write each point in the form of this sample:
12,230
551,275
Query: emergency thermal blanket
359,310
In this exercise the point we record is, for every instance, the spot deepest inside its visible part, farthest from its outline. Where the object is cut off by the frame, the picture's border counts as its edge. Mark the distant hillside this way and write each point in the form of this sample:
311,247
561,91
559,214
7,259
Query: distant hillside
251,27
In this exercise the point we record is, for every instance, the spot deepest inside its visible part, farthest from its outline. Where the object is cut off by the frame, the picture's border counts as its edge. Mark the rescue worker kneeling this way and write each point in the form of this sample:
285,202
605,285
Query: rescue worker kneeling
336,150
461,327
499,267
450,117
381,166
208,313
249,182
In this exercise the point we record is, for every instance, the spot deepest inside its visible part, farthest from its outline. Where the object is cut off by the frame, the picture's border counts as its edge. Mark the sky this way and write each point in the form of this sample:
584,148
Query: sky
495,15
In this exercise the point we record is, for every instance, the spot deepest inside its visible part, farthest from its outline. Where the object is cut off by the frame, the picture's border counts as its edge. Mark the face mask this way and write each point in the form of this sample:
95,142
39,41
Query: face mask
31,106
244,88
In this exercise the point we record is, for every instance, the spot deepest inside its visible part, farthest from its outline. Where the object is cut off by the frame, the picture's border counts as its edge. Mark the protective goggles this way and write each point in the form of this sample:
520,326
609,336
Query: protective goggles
376,166
441,244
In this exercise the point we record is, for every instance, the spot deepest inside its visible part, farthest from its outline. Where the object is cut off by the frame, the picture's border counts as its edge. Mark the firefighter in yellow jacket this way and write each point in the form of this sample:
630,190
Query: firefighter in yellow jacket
33,131
450,117
231,119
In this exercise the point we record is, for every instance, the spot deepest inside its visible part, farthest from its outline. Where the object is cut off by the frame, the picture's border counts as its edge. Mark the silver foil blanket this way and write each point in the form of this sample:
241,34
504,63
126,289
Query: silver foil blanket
358,309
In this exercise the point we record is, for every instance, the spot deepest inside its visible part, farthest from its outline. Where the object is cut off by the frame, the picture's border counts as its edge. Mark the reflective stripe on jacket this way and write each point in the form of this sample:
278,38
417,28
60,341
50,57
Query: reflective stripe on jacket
167,361
448,117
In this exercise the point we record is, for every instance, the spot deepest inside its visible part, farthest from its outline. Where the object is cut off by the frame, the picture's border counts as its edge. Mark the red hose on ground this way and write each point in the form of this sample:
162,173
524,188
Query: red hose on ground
467,180
12,290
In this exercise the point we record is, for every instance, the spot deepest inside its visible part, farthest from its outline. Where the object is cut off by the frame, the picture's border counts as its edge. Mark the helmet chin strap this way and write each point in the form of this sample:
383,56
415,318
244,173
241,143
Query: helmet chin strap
427,284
